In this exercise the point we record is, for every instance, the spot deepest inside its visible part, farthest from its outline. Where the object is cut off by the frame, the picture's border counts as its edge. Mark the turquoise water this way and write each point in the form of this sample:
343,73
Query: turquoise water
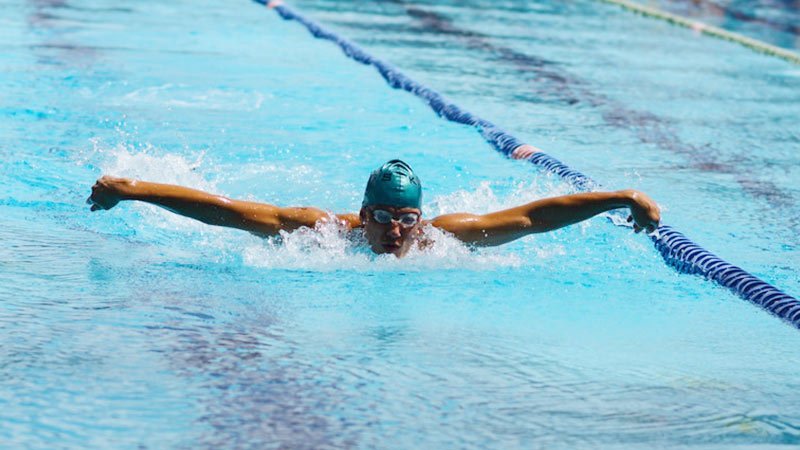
776,22
137,328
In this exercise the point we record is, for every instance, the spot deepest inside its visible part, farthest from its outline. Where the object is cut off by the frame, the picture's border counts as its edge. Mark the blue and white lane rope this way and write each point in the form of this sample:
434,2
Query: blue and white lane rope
677,250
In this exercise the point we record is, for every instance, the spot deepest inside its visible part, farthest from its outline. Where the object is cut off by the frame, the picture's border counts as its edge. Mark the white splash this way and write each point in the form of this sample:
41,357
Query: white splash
150,164
484,200
145,164
329,248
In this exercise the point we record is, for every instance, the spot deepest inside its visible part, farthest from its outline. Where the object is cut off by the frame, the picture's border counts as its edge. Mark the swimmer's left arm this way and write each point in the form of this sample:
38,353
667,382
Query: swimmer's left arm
548,214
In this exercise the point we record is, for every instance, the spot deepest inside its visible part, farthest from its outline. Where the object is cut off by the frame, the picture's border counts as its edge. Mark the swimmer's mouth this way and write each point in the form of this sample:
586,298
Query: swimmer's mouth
391,248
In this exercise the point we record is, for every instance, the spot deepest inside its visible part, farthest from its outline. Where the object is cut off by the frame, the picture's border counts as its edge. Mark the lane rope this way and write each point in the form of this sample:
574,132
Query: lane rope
677,250
710,30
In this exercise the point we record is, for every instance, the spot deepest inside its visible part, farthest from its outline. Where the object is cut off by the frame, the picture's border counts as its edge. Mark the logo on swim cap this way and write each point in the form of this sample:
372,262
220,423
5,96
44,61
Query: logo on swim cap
393,184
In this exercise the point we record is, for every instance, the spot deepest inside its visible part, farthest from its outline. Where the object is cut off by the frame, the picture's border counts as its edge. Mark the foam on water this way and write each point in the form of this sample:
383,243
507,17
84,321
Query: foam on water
330,248
484,199
153,164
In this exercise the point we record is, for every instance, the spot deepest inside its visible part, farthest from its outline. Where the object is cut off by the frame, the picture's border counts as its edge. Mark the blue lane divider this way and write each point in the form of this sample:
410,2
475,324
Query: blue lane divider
677,250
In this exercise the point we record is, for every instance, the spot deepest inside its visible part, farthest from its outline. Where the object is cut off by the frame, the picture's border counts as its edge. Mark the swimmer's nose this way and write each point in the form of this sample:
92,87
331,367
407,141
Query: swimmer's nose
394,231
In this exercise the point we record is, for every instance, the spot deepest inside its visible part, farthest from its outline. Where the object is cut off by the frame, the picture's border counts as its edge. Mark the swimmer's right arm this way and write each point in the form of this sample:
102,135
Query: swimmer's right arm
260,218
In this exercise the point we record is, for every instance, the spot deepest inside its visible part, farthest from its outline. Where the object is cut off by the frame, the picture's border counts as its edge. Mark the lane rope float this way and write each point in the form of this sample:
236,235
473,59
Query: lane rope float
677,250
710,30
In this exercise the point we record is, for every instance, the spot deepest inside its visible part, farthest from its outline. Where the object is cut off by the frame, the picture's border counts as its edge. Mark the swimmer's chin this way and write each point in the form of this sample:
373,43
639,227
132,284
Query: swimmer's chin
395,250
400,250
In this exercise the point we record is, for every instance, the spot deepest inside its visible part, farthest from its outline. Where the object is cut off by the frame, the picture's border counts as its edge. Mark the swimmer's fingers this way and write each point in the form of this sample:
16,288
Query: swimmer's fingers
90,201
645,213
650,224
95,205
104,195
93,199
649,227
636,227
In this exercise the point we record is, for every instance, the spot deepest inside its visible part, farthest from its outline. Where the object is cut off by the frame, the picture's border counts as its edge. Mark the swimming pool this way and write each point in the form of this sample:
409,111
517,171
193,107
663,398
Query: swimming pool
135,327
775,22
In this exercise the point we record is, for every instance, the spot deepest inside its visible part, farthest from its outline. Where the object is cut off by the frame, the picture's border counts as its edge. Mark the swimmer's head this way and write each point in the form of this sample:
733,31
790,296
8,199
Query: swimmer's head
393,184
390,212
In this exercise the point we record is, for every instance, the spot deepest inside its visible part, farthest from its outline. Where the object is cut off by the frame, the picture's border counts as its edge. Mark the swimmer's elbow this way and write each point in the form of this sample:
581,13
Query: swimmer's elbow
483,230
290,219
494,238
457,224
267,220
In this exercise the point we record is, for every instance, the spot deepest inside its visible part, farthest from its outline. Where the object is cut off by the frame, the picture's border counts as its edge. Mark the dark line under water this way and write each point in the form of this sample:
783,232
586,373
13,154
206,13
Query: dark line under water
646,126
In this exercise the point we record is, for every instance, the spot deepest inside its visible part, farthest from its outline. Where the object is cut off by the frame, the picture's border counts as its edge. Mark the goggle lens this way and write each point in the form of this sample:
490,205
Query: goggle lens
405,219
409,219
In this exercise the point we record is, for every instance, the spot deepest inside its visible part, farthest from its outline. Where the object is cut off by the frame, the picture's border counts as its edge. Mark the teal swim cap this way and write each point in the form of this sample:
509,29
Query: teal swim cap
393,184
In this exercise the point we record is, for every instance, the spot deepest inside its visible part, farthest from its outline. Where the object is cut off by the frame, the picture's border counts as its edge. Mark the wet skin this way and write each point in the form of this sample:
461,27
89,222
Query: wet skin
495,228
390,237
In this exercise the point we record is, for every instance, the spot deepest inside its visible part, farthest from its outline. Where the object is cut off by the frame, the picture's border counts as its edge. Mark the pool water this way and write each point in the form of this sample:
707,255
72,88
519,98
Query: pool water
137,328
775,22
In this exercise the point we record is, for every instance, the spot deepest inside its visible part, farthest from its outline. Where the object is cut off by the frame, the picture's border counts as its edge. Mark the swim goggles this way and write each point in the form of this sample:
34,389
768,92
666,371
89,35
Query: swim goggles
406,220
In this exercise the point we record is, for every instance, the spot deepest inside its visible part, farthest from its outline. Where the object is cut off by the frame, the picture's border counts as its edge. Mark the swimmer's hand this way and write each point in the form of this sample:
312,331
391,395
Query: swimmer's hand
108,191
645,213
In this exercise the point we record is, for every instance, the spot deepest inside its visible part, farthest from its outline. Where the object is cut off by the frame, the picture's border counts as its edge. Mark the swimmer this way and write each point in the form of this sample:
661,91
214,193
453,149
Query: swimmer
391,212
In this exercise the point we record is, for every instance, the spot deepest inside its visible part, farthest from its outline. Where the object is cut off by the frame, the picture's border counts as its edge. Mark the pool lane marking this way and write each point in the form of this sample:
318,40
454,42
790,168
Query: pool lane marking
677,250
745,17
710,30
570,90
543,69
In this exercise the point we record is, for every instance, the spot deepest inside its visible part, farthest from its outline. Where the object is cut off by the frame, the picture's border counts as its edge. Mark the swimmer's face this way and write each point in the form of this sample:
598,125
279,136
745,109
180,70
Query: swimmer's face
394,236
